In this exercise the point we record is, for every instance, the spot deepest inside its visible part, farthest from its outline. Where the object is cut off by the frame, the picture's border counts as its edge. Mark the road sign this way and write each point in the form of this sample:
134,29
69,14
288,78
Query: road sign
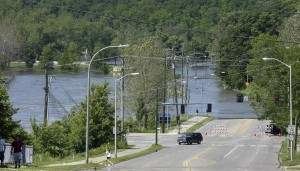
166,119
291,129
114,130
291,137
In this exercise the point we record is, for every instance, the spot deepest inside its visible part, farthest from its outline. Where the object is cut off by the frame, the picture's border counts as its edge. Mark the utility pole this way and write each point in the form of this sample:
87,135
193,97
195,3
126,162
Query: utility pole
46,88
156,117
122,91
187,81
181,79
175,89
164,94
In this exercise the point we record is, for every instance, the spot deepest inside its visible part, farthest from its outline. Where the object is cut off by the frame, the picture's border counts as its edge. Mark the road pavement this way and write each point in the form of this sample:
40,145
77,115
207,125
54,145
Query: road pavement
229,144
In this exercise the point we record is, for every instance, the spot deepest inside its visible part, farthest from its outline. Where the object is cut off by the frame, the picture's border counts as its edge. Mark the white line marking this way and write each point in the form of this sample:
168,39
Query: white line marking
231,151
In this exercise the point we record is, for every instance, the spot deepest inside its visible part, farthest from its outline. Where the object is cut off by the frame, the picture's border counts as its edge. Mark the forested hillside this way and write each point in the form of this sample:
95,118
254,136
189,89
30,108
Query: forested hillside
34,29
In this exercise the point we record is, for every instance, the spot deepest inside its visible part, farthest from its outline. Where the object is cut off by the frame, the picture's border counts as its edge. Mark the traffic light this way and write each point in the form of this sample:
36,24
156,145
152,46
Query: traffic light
182,109
209,108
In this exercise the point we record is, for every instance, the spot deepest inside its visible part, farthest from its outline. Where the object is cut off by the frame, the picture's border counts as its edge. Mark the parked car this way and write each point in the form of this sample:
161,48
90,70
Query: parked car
189,138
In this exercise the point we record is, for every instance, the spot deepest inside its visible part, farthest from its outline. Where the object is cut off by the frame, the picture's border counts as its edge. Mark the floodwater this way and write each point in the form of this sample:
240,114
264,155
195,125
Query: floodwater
67,90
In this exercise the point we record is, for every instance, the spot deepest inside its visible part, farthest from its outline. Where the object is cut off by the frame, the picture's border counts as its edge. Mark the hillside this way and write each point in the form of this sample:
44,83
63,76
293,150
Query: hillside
60,26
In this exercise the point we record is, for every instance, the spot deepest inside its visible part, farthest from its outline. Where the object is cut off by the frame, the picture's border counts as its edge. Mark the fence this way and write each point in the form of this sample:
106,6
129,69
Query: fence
27,155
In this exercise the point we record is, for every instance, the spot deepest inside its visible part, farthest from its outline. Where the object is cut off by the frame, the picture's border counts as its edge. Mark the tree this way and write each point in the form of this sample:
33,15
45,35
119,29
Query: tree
140,111
8,127
234,35
68,135
147,58
9,43
47,55
69,57
270,79
290,34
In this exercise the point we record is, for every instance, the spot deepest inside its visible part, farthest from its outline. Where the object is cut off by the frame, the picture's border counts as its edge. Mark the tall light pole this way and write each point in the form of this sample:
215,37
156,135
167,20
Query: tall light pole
291,103
87,100
115,127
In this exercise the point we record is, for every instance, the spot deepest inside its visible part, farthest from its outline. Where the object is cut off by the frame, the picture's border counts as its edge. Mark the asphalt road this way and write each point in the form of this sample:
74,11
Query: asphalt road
232,144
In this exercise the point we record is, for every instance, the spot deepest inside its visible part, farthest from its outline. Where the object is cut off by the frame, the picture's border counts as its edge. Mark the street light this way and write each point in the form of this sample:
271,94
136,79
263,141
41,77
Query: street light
291,104
115,127
87,100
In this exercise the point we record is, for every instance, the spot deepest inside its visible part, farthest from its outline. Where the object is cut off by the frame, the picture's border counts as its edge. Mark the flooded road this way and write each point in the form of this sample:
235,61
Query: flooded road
206,88
67,90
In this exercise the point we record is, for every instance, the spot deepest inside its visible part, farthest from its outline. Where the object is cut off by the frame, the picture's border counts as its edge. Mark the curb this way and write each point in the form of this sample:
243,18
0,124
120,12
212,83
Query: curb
278,157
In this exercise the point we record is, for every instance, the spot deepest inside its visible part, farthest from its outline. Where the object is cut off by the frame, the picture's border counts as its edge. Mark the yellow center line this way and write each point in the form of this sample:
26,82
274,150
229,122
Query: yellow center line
187,163
245,126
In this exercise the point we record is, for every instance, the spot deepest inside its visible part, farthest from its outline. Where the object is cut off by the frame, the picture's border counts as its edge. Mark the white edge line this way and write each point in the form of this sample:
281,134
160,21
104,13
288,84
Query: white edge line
231,151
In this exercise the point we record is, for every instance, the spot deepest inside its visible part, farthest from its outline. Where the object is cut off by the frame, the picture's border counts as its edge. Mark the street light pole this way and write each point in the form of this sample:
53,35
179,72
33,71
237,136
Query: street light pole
87,100
291,98
115,127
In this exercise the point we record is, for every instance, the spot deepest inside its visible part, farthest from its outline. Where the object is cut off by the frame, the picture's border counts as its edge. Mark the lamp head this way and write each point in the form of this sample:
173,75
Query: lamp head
121,46
266,59
135,73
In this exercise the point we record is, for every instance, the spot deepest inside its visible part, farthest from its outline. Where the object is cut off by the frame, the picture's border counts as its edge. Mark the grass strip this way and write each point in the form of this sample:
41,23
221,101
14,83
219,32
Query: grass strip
199,124
284,156
94,166
153,148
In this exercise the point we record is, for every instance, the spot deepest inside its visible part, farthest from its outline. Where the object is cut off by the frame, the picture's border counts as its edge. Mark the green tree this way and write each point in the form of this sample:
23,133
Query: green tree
234,35
69,57
8,127
52,140
9,42
270,78
140,111
47,55
147,58
68,135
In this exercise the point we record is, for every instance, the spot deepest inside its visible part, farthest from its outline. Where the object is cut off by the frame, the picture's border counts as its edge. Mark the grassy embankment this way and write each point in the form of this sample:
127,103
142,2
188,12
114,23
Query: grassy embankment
173,123
200,124
284,156
94,166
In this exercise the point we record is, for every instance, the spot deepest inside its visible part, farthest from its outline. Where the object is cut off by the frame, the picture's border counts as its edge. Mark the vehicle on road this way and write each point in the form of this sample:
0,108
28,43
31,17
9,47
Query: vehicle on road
272,129
190,138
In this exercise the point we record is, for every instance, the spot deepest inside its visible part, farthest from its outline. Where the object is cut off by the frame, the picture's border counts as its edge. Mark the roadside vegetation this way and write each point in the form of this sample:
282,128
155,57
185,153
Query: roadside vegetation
199,124
67,136
153,148
95,166
284,156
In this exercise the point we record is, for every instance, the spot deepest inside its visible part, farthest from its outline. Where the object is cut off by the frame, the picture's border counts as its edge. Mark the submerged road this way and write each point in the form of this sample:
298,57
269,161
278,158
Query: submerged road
229,144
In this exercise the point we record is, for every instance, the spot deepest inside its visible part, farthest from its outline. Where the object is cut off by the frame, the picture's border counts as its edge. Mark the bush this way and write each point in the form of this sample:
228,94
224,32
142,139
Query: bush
67,136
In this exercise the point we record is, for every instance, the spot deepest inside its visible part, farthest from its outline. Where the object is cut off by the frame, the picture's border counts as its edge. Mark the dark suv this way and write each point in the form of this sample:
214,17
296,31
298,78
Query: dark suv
190,138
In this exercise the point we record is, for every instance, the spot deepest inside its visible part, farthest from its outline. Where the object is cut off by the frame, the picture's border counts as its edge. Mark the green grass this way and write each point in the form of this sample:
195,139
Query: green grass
94,166
284,156
173,125
199,124
43,159
153,148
